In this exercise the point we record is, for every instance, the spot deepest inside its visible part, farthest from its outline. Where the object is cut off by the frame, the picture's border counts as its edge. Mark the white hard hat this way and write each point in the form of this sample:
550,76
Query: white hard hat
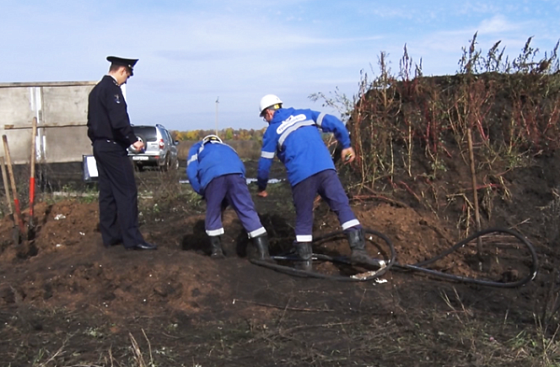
268,101
210,138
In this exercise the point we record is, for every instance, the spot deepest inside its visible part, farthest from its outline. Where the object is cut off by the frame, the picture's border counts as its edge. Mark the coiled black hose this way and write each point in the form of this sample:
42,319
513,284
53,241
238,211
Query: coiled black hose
338,260
391,262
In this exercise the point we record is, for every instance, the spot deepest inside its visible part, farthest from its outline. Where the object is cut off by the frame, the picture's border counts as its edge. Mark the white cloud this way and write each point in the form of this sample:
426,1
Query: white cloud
497,24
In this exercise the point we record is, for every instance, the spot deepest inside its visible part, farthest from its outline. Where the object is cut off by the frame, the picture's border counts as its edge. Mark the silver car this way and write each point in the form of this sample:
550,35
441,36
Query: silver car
159,148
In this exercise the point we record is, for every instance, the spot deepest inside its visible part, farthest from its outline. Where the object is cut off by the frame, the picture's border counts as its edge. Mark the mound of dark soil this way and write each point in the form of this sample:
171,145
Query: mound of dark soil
70,301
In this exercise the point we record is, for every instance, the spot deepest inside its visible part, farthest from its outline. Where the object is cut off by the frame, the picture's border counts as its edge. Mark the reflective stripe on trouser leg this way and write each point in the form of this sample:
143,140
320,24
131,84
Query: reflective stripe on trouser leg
239,198
215,232
330,188
303,195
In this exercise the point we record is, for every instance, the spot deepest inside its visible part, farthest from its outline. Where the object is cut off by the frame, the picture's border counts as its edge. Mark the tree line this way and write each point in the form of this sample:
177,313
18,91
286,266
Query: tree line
226,134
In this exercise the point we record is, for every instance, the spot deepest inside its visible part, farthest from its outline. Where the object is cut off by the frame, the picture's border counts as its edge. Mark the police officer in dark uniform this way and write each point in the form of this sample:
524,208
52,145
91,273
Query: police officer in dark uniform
110,133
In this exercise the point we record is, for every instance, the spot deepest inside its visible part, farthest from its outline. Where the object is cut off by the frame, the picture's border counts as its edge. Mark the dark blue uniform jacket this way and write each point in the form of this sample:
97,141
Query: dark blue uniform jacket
107,115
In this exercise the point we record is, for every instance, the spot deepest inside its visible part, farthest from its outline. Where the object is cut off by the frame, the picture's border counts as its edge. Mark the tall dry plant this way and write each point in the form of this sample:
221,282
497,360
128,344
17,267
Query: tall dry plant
512,108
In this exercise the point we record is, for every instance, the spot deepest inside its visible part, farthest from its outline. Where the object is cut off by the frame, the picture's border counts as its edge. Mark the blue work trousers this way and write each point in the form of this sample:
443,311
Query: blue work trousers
327,184
227,190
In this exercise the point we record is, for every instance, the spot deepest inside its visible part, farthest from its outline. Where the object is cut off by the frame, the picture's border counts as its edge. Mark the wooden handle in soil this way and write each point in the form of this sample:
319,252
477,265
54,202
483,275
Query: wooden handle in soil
17,211
32,175
6,185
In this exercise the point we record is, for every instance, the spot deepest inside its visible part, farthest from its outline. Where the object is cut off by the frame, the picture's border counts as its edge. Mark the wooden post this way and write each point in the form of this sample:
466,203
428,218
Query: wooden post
32,175
17,211
6,185
475,192
16,236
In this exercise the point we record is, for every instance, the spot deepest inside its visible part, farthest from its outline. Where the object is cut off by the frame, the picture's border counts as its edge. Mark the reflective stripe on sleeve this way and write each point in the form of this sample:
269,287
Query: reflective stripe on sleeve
193,158
268,155
320,119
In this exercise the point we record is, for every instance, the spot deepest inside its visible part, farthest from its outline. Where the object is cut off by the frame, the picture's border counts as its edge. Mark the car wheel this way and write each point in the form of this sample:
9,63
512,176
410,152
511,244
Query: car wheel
166,164
176,165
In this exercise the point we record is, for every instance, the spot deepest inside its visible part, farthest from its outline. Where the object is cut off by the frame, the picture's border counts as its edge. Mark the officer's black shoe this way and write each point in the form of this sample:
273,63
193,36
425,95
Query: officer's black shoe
143,246
113,243
305,253
261,247
359,256
216,248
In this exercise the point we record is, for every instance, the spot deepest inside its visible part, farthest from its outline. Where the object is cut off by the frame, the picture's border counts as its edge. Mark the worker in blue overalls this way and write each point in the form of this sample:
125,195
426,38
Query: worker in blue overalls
295,136
216,172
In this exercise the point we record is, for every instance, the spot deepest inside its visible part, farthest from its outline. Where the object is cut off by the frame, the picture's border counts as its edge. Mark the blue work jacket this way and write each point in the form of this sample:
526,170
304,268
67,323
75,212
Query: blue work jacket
210,160
295,135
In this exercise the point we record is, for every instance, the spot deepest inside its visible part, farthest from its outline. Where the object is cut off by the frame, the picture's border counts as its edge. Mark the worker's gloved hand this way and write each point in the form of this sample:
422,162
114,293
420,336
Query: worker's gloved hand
348,155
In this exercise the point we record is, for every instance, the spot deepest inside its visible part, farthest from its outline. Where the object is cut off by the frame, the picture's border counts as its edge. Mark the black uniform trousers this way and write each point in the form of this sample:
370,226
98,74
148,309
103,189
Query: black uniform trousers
118,195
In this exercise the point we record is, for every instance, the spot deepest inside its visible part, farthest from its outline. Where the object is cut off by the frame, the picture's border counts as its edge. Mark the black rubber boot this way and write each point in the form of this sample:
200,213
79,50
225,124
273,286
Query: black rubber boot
261,247
305,253
216,247
357,241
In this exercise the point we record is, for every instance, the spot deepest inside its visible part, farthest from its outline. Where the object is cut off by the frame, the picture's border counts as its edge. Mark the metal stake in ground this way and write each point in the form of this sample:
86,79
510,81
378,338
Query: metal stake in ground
31,223
17,211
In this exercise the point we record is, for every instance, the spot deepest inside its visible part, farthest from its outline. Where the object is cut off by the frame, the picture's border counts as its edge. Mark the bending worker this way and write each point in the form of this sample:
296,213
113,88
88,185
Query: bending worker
295,136
217,174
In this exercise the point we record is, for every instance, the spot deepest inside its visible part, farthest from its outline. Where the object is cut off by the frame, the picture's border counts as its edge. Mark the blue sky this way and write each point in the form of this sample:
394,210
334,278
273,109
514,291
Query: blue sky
193,52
